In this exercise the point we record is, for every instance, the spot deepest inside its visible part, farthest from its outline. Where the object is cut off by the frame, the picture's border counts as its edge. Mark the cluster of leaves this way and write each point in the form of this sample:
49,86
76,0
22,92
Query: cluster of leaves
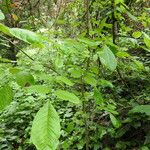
99,89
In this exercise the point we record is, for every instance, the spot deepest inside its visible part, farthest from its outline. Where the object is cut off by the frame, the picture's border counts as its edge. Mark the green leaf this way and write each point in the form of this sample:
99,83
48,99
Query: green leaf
89,79
6,96
76,72
98,96
144,148
65,80
4,29
14,70
4,60
65,95
2,17
24,79
136,34
45,130
108,58
89,42
26,35
116,123
106,83
141,109
131,16
38,89
118,1
123,54
147,40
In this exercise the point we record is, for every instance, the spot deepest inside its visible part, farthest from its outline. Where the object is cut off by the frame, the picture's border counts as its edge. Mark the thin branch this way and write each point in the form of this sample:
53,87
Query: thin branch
17,47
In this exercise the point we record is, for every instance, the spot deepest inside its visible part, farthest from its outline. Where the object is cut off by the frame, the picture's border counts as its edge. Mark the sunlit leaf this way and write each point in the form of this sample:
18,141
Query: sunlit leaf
106,83
136,34
4,29
24,79
45,130
6,96
65,80
2,17
65,95
38,89
108,58
89,79
26,35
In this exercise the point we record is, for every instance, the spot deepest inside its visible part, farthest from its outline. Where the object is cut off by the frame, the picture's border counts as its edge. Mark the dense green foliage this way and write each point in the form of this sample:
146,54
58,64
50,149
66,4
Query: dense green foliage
80,81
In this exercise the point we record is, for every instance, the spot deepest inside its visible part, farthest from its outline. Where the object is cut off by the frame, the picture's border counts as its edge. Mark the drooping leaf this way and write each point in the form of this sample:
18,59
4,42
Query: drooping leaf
6,96
45,130
116,123
108,58
2,17
24,79
141,109
26,35
65,80
38,89
65,95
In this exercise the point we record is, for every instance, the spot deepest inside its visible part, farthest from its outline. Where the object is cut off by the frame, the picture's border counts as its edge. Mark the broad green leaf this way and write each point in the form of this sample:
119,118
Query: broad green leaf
2,17
116,123
136,34
89,79
45,130
141,109
24,79
26,35
65,80
98,96
38,89
108,58
65,95
4,29
6,96
147,40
